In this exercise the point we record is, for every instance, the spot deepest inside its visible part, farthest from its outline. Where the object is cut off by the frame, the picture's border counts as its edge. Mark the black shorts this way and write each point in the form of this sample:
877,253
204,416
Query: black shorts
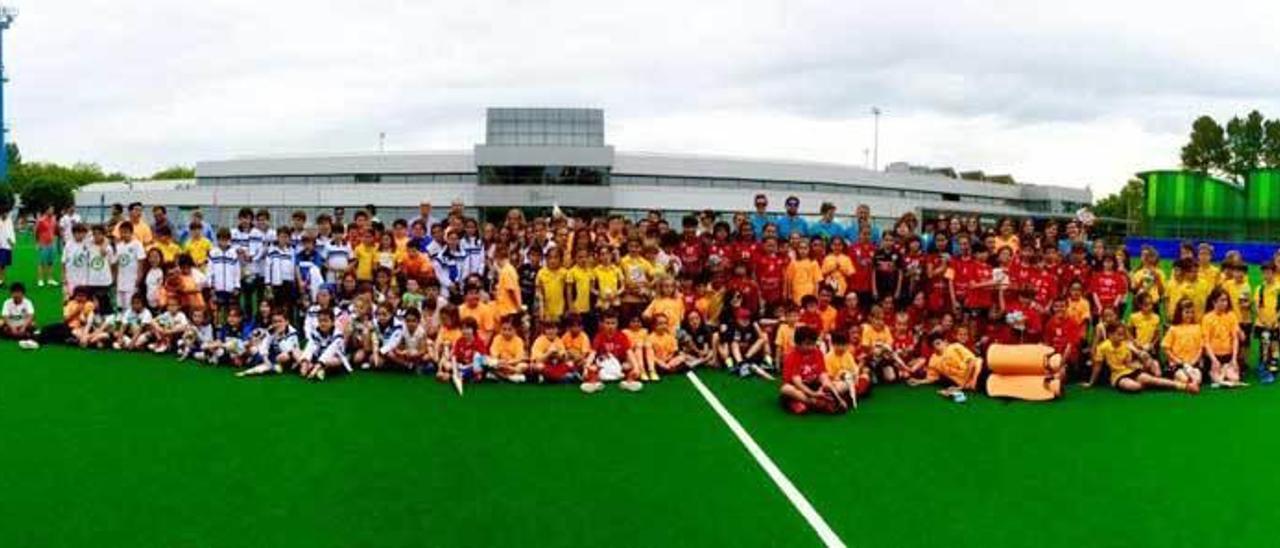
1133,375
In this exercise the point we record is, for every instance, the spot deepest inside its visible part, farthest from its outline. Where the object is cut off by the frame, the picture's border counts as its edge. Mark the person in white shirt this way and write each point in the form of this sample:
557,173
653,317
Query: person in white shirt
75,260
19,316
337,256
224,272
67,222
7,239
280,272
129,257
102,257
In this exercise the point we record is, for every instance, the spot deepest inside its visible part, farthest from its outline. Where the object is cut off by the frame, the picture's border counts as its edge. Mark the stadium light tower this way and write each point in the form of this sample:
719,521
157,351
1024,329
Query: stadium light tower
7,15
875,162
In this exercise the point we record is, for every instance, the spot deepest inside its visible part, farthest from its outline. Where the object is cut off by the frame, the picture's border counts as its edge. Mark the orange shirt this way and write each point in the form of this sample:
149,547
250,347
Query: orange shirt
871,336
671,307
839,364
663,344
485,314
543,347
1220,331
508,291
577,346
804,274
507,348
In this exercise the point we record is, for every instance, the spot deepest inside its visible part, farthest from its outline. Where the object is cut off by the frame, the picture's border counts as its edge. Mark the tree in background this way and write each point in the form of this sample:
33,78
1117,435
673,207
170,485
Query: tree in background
1127,204
43,193
175,172
1245,141
1207,150
1271,143
1245,144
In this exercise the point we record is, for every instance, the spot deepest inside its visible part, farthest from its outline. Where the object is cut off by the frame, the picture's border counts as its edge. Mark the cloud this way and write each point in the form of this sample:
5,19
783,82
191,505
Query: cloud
1081,93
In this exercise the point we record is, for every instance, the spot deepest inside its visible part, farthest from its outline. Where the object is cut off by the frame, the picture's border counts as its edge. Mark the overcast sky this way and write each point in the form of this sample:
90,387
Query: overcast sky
1073,93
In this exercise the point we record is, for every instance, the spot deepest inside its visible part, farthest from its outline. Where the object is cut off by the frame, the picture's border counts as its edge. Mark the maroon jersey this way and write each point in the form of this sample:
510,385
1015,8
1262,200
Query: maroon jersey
693,255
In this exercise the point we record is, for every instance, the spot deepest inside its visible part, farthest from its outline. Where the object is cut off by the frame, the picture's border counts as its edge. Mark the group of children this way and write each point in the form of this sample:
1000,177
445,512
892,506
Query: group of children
593,302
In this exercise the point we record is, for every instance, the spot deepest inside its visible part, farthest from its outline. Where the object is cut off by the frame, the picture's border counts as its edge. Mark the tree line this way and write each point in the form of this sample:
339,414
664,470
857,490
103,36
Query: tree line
43,184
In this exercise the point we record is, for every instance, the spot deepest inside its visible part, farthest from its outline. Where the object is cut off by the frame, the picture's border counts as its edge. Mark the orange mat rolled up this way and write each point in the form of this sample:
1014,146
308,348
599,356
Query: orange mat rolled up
1022,371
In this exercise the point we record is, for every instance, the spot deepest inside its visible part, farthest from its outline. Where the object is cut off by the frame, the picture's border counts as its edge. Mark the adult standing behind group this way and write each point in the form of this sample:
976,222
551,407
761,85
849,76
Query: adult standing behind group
141,230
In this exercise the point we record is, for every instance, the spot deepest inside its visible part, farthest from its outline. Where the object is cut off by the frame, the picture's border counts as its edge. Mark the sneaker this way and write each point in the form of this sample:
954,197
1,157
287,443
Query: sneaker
1266,377
320,373
743,371
199,356
591,387
39,283
959,397
631,386
51,282
28,344
516,378
116,345
182,356
728,364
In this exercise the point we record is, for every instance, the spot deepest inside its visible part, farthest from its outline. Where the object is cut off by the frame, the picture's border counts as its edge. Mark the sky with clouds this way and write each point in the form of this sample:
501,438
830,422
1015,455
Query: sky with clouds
1072,93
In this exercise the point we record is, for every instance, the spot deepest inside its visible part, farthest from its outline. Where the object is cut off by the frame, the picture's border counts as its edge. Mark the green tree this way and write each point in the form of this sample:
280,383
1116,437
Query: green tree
43,193
1128,203
175,172
6,197
1207,148
1244,140
1271,143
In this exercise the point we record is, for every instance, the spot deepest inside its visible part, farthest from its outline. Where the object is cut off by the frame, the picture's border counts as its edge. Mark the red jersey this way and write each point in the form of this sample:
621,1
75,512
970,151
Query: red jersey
1062,332
749,290
724,250
861,253
464,351
744,251
693,255
813,319
614,344
1045,282
1075,272
963,276
808,364
770,270
979,272
847,320
1110,287
46,230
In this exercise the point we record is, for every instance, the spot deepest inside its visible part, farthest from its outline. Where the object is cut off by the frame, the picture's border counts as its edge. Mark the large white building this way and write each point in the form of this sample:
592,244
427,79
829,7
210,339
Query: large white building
539,158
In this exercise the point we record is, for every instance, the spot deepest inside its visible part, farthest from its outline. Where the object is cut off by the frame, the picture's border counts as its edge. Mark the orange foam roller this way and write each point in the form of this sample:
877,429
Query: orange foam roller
1021,371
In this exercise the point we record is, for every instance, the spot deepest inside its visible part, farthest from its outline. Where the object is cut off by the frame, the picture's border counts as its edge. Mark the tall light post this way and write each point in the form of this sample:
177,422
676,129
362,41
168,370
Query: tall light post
7,15
875,162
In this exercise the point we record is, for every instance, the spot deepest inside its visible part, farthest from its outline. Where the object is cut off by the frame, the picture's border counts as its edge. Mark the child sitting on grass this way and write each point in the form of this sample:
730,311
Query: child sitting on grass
1132,369
19,316
806,386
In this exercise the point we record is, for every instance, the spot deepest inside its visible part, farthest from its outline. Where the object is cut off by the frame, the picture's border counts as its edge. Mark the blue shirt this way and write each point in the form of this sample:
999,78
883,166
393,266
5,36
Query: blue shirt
827,230
788,224
758,221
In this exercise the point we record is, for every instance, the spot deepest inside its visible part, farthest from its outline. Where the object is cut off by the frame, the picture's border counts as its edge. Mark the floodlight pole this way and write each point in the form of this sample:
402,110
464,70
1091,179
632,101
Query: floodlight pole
7,15
875,162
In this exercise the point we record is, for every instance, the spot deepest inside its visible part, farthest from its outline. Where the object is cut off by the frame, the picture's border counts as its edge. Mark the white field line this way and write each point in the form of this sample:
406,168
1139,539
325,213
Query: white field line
797,499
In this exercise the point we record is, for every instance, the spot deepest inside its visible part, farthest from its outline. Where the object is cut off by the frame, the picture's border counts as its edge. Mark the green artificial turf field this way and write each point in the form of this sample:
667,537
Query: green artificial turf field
109,449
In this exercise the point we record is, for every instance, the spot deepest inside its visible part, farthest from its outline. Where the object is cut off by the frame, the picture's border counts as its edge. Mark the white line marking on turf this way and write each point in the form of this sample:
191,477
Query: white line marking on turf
797,499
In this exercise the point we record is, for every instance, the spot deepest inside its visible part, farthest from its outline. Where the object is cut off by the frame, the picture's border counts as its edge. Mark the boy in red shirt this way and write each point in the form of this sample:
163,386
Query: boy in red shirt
609,359
1064,334
806,386
862,253
467,356
1109,287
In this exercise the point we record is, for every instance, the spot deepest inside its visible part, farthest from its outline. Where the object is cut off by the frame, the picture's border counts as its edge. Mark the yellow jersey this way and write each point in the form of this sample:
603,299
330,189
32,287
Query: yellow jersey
580,279
785,339
1145,327
1220,331
366,259
1119,359
551,285
837,268
507,299
608,281
507,348
543,347
671,307
168,250
804,275
1148,280
199,250
663,345
1267,302
485,315
1184,344
838,365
